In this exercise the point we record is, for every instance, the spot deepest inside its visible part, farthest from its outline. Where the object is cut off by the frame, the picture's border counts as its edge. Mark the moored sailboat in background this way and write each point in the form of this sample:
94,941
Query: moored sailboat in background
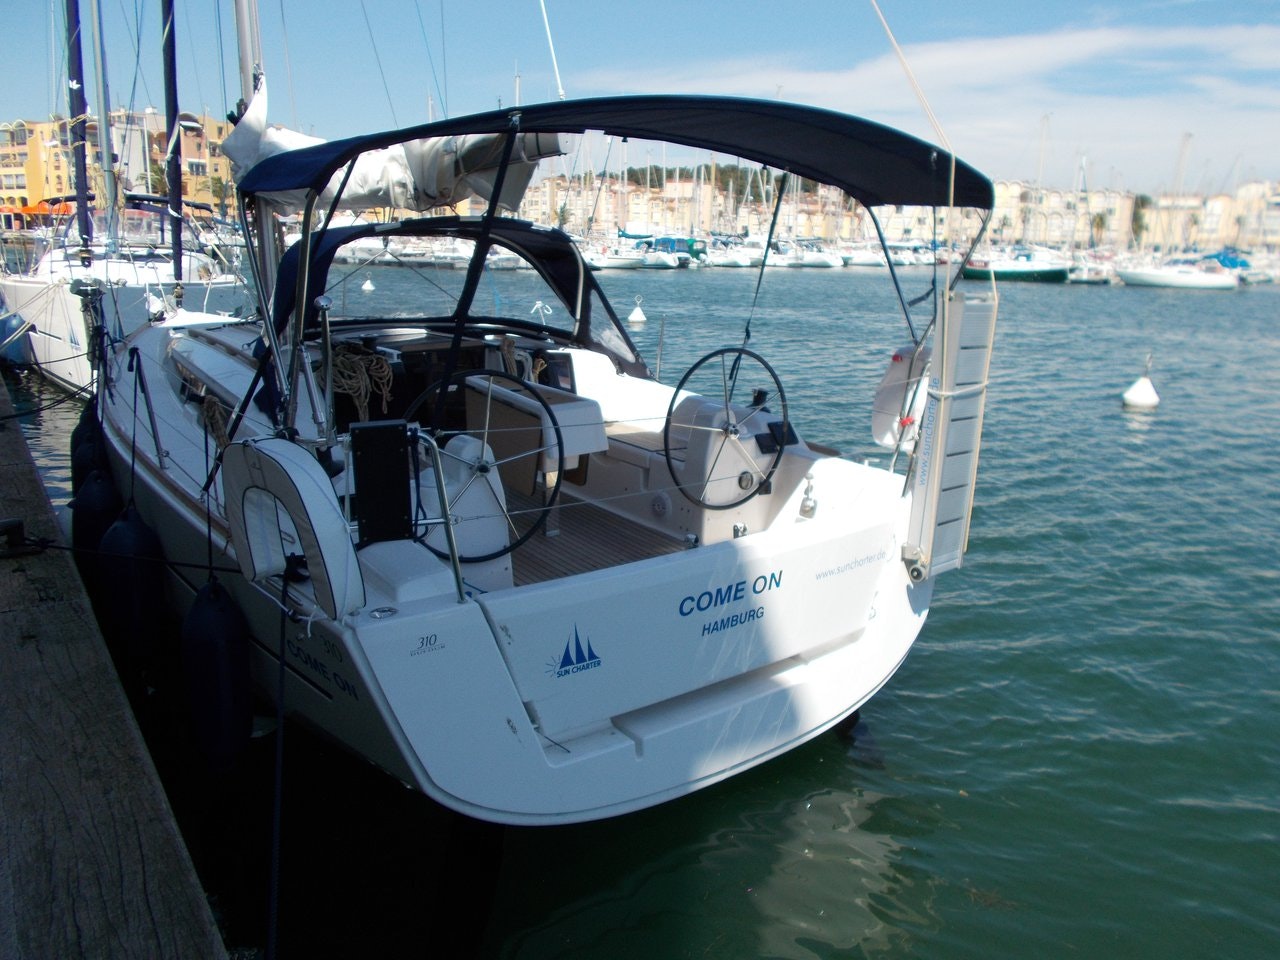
101,280
1186,273
1019,263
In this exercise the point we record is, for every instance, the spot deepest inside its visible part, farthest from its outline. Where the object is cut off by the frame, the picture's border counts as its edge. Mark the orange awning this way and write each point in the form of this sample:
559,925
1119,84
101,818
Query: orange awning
57,209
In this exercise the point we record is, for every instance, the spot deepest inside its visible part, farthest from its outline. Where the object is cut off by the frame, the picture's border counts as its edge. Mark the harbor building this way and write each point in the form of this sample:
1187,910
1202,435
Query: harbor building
698,200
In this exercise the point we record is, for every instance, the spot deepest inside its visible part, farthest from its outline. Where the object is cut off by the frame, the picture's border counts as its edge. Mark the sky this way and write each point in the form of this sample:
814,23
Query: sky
1146,96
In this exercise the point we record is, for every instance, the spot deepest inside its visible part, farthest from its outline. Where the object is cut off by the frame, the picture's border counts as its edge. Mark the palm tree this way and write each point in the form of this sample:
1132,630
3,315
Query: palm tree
1138,225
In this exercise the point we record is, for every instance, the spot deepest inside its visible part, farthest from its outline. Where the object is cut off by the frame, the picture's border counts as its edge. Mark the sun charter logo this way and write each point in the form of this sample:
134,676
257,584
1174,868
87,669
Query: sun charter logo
575,659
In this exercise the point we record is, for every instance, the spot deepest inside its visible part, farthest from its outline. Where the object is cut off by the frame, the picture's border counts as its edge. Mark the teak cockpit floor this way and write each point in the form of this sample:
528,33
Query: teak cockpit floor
580,537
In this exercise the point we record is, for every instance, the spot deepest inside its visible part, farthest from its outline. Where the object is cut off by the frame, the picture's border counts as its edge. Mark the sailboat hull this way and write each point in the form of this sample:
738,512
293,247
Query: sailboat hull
1016,272
1178,278
60,335
597,693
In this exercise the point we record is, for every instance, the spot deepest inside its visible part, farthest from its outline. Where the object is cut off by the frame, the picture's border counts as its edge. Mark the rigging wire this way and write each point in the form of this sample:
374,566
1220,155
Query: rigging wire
444,60
943,139
378,60
595,205
138,77
222,57
554,65
444,103
58,95
195,60
780,192
288,65
911,79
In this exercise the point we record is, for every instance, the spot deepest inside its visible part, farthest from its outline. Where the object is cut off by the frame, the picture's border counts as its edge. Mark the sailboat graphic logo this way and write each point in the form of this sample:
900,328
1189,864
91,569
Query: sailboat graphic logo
575,659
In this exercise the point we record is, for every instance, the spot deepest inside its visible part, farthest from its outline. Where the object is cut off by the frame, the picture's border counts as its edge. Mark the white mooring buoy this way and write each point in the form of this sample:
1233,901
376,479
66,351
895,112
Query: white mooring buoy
636,317
367,286
1142,395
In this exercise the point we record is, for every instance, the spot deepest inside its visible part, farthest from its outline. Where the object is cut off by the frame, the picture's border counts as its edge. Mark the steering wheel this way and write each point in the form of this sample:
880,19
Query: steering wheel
504,449
722,376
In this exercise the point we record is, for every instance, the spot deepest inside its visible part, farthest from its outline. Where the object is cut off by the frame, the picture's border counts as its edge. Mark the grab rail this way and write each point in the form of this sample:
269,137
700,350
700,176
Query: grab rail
437,465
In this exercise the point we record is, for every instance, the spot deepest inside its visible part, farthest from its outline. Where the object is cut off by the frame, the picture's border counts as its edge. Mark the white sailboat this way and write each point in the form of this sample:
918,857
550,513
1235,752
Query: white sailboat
602,254
1088,264
1020,263
518,571
87,287
1180,273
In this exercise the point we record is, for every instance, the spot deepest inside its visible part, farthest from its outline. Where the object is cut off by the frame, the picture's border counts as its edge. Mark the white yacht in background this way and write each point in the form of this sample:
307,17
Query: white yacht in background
115,286
1020,263
1200,273
102,281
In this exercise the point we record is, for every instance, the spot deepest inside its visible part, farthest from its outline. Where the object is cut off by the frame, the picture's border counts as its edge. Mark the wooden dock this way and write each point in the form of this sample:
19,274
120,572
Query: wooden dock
91,860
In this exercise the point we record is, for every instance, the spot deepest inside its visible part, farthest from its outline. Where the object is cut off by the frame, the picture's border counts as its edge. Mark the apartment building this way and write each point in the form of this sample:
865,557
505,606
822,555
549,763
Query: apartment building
36,162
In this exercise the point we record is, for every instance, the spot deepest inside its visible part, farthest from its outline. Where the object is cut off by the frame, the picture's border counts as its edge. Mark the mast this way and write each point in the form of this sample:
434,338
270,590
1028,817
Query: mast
1084,192
106,156
173,158
249,44
79,109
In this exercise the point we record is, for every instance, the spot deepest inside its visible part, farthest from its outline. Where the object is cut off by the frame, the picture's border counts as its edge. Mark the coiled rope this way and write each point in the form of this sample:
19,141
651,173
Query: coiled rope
215,421
359,373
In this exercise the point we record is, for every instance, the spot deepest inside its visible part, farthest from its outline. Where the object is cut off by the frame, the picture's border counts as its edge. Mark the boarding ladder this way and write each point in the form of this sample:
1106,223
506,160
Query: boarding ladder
946,463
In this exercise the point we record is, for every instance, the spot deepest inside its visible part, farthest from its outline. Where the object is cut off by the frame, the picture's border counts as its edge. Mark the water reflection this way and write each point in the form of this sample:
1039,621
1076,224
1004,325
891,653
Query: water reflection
778,862
47,416
1138,423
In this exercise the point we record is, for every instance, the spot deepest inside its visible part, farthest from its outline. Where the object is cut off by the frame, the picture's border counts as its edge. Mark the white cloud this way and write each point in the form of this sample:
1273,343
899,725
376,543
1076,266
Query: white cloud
1122,96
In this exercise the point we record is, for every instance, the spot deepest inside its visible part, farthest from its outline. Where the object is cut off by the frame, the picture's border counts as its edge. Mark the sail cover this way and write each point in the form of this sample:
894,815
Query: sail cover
416,174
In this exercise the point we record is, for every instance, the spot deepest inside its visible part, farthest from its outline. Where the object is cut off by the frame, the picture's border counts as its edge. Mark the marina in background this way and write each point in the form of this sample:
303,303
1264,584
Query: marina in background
616,207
